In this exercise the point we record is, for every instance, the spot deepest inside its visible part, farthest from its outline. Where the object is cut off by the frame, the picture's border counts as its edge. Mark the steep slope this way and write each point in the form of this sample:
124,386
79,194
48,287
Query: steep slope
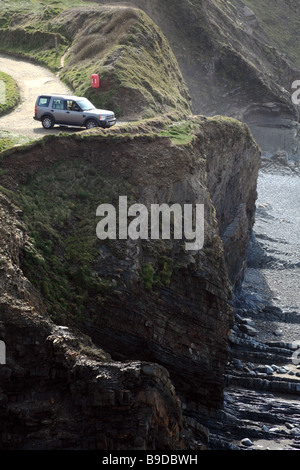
139,75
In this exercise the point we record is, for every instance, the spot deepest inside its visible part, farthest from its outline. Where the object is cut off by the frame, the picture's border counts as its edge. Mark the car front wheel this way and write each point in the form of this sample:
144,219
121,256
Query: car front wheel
47,122
91,124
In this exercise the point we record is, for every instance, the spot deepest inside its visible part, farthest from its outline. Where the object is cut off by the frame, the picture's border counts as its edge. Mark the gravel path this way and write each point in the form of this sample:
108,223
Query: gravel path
32,80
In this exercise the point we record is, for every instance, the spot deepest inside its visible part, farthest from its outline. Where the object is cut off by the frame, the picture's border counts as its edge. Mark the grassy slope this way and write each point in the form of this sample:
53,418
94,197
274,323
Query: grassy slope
122,45
24,32
10,95
138,72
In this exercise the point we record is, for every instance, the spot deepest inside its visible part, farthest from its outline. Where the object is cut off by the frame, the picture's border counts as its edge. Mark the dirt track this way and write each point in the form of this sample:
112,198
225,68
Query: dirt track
32,80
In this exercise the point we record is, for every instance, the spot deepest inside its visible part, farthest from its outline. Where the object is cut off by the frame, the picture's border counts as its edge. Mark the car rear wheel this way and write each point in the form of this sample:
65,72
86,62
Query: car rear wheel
91,124
47,122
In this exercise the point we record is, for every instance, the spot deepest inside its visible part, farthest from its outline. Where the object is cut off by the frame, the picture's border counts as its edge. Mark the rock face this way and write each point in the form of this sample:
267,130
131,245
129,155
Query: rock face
58,383
57,390
232,185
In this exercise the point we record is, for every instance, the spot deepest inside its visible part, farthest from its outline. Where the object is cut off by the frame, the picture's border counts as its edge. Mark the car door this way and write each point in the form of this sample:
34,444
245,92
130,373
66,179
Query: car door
58,110
73,113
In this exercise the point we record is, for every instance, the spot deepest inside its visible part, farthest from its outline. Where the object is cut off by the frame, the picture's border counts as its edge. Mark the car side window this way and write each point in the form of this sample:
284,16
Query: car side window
72,106
58,103
44,101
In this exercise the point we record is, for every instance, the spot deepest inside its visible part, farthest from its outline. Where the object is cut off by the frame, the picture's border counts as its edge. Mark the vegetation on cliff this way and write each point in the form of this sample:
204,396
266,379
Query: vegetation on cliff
143,301
139,75
280,22
135,298
59,211
23,31
59,206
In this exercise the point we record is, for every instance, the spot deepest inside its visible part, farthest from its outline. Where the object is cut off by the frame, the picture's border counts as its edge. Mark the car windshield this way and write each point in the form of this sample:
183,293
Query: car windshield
85,104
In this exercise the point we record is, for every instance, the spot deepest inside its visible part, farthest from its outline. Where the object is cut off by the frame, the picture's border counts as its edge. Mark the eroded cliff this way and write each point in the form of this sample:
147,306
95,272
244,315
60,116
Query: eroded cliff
161,314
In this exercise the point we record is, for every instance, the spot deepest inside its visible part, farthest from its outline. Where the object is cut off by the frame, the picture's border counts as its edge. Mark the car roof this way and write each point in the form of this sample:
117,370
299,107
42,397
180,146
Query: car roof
66,97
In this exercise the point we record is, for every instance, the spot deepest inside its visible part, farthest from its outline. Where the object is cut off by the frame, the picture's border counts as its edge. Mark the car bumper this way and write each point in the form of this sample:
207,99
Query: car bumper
105,123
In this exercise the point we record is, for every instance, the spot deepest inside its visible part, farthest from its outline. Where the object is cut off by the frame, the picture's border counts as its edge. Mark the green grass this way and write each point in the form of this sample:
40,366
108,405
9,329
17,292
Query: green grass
138,67
9,93
148,275
9,139
5,143
159,272
59,211
181,133
35,45
44,9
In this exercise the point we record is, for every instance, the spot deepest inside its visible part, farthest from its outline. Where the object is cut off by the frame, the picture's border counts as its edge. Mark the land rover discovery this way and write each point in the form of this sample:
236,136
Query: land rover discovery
72,111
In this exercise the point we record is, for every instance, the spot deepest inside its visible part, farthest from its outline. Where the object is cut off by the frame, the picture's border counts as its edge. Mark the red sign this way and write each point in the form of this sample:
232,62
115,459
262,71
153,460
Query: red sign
95,80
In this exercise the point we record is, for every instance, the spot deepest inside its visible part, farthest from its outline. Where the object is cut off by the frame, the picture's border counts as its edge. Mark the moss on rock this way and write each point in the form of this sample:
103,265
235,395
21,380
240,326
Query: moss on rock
59,206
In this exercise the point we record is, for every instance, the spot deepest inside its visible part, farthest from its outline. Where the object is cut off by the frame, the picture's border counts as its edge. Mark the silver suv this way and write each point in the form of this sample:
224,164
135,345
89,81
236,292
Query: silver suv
71,111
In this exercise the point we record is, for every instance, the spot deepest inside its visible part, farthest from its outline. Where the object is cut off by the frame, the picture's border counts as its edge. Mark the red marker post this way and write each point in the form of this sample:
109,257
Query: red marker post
95,80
